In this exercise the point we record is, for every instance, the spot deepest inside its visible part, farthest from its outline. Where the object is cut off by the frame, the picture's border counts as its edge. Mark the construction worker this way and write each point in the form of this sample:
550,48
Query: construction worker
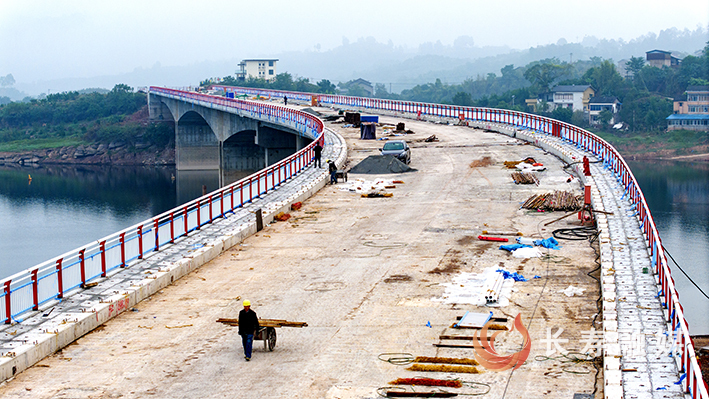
317,150
333,171
248,326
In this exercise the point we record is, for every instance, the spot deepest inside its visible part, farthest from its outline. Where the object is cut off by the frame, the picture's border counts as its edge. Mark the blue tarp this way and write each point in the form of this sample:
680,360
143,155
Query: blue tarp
512,247
550,243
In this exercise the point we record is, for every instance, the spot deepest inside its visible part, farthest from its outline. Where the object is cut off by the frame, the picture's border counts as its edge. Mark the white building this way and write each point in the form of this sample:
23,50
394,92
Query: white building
257,68
573,97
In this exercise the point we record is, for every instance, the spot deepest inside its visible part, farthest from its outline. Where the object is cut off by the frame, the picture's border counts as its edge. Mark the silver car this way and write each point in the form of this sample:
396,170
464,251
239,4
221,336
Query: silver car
399,149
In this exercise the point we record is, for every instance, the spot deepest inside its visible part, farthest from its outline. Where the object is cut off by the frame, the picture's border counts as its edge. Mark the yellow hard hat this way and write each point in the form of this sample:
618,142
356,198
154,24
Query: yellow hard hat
247,303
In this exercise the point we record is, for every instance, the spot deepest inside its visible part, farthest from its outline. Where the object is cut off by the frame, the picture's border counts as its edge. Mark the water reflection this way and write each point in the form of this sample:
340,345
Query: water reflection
63,207
678,196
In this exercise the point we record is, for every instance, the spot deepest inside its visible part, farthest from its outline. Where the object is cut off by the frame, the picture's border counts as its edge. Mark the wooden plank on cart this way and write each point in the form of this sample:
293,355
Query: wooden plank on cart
266,323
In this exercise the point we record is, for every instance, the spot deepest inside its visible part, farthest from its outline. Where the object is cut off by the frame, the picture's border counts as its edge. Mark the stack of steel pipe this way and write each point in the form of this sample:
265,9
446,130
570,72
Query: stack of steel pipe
492,293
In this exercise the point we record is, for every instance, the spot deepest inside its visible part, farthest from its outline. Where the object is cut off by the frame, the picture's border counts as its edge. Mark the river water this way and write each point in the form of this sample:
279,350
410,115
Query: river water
64,207
678,196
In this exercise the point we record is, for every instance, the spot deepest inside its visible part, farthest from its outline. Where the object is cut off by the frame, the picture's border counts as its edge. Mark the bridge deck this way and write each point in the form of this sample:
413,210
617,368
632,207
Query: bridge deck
368,275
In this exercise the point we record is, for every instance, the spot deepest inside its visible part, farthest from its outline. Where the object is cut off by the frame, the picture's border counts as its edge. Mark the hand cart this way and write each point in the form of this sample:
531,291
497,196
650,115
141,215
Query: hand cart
267,329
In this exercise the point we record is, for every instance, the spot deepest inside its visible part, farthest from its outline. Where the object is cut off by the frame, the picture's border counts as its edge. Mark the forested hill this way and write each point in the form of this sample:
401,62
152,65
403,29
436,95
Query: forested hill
71,119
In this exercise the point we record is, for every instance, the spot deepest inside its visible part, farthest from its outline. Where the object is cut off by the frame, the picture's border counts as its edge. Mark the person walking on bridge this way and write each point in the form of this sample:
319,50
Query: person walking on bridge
248,326
285,100
318,152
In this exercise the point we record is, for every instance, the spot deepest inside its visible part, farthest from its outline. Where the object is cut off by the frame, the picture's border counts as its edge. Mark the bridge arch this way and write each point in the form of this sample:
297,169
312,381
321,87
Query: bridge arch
197,147
203,132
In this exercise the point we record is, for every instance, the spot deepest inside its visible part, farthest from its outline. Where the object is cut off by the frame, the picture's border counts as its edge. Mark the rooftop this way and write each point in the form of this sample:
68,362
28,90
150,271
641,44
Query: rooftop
603,100
571,88
697,88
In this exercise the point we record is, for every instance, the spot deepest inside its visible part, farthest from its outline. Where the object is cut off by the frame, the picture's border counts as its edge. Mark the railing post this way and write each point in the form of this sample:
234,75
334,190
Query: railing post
232,198
221,203
172,227
140,242
35,289
82,267
8,304
156,225
60,279
184,216
122,240
102,248
210,209
199,216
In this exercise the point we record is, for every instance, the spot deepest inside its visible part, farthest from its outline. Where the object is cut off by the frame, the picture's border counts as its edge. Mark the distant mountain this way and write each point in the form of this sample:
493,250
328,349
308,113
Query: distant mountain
395,66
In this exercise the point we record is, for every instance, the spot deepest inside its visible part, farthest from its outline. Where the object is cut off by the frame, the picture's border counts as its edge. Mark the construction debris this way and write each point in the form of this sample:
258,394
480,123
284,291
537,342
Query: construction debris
513,164
484,161
443,368
282,217
446,360
487,238
556,201
405,394
525,178
428,382
377,195
503,233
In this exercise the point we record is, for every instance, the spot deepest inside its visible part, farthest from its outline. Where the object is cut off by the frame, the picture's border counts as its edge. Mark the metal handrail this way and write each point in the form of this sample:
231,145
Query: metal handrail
692,381
50,281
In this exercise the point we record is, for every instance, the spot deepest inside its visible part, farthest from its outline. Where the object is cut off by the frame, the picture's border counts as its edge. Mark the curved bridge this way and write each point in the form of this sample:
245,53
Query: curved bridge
625,288
612,185
212,133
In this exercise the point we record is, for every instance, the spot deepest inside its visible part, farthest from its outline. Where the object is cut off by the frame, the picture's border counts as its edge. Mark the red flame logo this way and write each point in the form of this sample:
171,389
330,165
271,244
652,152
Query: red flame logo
488,357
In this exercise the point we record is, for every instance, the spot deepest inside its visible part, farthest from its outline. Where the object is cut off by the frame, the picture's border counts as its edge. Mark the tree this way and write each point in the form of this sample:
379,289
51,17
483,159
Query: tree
605,79
544,74
462,98
283,81
122,87
605,116
562,114
380,91
634,65
326,87
304,85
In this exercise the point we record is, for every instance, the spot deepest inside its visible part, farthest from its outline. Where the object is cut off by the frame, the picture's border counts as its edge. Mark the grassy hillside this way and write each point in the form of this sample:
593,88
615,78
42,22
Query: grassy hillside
71,119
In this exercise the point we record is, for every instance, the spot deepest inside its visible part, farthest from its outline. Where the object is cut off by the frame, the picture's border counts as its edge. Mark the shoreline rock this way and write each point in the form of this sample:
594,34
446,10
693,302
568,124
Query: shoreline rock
95,154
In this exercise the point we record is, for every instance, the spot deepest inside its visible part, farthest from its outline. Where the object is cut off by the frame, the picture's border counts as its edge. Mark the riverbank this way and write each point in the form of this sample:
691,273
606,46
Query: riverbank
679,145
95,154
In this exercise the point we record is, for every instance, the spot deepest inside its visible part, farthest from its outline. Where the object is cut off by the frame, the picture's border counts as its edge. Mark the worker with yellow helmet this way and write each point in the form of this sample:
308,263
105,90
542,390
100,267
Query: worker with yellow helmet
248,325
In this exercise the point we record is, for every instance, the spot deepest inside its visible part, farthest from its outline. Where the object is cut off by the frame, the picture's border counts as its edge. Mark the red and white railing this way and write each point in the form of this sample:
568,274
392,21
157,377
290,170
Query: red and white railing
692,381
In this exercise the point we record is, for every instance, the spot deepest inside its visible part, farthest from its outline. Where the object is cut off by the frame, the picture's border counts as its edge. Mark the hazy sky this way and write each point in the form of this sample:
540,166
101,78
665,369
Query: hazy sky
49,39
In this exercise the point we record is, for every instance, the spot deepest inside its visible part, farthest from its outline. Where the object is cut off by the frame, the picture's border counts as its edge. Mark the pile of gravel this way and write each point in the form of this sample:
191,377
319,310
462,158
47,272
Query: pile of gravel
381,164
